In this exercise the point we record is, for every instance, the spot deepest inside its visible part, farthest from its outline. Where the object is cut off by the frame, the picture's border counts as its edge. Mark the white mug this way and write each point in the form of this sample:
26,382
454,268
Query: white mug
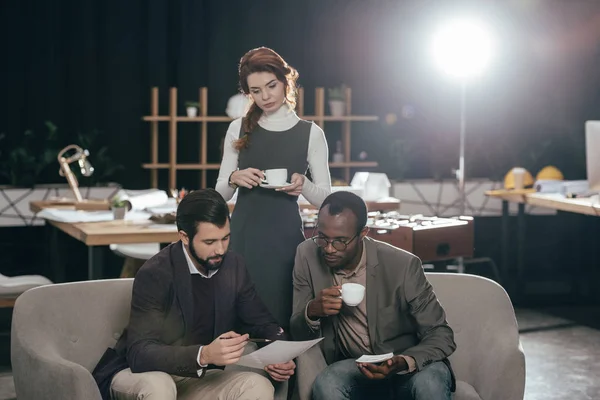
276,177
352,294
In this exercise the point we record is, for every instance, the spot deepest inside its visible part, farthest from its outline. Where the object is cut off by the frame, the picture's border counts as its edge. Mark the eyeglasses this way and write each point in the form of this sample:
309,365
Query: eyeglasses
337,244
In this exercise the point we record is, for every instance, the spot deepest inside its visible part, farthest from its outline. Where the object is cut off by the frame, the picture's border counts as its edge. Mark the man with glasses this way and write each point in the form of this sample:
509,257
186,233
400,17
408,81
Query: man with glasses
399,314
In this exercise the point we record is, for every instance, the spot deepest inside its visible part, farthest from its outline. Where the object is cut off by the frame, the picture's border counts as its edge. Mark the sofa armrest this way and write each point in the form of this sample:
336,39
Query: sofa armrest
55,377
502,377
309,365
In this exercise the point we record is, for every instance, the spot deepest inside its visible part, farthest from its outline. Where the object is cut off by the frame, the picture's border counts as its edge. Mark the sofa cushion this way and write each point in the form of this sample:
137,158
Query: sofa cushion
464,391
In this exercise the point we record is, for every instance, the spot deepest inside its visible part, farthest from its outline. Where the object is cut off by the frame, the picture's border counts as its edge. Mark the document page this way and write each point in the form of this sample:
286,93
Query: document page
278,352
375,359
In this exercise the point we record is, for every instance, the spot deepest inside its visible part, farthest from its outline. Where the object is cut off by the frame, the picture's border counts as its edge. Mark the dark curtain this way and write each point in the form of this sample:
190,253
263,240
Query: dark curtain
87,65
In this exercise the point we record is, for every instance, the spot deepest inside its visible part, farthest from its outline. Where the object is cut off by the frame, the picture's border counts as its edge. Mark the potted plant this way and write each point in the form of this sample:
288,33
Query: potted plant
26,160
119,207
192,108
337,100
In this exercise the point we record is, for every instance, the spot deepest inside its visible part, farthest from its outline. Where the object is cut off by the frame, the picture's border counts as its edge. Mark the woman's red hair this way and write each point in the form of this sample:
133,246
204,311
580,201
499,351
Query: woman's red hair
263,59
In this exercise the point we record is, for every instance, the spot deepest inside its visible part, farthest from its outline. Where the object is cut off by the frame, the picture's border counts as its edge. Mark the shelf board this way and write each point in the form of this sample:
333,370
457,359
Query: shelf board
198,166
188,119
364,164
352,164
155,119
205,119
182,166
347,118
328,118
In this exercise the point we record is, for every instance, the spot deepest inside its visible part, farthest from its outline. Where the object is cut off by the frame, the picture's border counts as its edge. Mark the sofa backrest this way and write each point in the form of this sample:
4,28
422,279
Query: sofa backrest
75,321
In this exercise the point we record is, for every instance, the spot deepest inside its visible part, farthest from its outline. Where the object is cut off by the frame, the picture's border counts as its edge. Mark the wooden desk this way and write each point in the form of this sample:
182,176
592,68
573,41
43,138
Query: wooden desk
118,232
96,234
555,201
7,303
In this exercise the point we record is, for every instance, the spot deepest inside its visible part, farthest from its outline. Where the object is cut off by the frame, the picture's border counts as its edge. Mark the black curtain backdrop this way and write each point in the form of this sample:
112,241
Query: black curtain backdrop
88,65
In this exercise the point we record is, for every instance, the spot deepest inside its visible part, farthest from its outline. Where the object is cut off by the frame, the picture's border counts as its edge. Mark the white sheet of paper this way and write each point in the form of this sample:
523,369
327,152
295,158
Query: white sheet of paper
278,352
74,216
378,358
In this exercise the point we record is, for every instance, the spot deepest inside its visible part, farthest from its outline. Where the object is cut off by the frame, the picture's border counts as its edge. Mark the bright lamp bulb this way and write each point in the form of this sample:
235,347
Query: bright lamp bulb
462,48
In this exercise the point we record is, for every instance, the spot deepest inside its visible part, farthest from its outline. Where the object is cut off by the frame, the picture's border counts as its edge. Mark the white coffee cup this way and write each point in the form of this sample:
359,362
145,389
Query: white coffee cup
519,177
276,177
352,294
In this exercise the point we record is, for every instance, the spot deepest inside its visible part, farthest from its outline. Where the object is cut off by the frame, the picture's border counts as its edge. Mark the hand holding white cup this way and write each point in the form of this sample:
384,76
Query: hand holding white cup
352,294
276,177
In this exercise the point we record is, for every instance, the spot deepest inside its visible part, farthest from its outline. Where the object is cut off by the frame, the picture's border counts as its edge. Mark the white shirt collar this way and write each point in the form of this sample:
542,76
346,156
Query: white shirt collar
284,112
192,267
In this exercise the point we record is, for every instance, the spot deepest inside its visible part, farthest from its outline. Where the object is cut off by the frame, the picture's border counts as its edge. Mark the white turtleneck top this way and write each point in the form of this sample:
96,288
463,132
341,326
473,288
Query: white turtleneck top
281,120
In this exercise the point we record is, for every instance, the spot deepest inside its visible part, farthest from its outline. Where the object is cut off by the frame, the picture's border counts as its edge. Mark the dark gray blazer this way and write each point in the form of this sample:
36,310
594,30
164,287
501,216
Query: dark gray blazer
404,314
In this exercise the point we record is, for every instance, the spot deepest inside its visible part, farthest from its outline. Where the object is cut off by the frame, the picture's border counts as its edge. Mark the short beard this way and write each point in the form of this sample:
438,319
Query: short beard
205,263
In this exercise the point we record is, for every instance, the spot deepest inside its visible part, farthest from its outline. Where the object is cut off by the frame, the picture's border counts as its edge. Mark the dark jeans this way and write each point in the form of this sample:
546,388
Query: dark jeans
343,381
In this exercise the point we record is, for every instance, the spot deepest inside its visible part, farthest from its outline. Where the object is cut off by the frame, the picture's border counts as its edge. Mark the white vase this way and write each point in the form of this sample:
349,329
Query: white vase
336,107
192,112
119,212
338,157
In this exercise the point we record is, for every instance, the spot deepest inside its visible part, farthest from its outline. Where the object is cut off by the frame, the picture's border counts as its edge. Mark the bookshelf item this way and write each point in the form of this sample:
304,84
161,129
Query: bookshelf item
203,118
320,118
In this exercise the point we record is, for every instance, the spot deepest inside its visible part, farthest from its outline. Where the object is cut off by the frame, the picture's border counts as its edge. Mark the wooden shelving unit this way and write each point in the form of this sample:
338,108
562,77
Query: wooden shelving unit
320,118
203,118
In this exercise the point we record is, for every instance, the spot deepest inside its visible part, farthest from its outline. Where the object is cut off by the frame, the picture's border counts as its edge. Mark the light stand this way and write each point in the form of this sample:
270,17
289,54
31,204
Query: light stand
462,49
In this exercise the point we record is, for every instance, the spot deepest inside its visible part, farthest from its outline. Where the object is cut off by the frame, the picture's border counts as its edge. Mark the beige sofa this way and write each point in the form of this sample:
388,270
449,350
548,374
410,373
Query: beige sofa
489,362
59,333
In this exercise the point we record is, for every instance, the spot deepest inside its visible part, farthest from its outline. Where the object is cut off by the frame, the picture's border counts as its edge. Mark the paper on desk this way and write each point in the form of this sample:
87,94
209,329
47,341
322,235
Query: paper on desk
278,352
375,359
74,216
141,199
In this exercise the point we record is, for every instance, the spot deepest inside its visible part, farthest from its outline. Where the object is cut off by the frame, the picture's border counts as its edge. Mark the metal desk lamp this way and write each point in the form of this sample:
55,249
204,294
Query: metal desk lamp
80,155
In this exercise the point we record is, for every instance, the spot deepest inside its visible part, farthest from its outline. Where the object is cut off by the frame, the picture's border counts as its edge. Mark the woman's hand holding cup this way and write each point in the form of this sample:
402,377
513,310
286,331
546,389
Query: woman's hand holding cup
248,178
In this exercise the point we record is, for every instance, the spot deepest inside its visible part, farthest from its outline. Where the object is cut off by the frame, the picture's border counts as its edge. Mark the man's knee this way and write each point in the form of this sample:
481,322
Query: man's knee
331,383
147,385
255,386
321,387
159,385
433,382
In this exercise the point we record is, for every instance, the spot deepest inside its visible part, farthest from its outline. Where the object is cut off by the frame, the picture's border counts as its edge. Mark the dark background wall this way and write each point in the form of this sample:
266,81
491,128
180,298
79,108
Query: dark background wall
89,65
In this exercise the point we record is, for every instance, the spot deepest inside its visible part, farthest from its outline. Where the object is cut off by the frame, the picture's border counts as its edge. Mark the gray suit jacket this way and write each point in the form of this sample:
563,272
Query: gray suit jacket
404,314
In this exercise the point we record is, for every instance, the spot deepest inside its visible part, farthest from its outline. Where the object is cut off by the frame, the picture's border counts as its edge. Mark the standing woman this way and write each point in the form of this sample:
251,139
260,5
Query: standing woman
266,226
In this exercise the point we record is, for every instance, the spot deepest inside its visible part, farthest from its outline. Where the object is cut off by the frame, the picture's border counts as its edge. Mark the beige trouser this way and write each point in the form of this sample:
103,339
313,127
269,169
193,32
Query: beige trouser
215,385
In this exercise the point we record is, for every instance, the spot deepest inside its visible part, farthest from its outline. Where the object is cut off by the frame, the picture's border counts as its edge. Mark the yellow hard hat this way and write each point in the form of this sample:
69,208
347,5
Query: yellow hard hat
509,180
549,173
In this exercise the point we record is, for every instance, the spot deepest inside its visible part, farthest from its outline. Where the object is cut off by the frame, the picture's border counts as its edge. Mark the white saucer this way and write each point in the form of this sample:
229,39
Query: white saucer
267,186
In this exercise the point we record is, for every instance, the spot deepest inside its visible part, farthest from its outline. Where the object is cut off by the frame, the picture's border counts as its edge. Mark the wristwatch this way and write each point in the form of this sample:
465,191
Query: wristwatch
231,184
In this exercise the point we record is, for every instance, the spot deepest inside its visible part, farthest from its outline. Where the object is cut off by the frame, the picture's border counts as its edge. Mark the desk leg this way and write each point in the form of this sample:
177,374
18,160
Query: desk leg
54,254
95,262
520,249
505,245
